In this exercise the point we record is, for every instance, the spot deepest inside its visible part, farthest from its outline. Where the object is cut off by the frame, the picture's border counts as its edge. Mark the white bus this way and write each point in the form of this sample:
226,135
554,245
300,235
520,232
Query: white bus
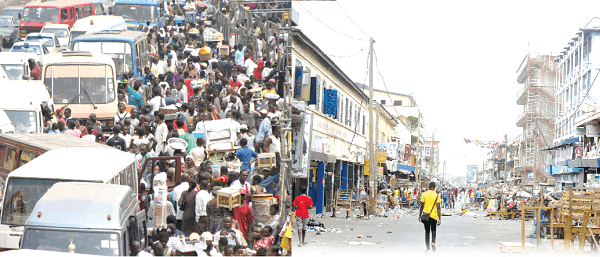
27,184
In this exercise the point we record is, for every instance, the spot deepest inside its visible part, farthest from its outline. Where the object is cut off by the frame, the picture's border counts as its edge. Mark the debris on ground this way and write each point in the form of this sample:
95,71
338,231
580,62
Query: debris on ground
361,243
389,232
359,236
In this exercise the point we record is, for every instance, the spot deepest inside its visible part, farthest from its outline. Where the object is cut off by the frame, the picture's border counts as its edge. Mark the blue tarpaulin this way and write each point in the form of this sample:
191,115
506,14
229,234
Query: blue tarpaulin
406,167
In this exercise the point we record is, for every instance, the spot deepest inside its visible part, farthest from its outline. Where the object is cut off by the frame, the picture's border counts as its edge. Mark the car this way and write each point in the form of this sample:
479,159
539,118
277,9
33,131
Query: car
9,28
36,47
61,31
14,11
49,40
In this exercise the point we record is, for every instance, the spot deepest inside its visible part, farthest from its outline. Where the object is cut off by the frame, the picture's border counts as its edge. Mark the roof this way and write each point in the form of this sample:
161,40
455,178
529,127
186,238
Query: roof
114,36
98,20
360,85
76,164
83,205
58,3
50,141
14,7
36,94
305,40
140,2
77,57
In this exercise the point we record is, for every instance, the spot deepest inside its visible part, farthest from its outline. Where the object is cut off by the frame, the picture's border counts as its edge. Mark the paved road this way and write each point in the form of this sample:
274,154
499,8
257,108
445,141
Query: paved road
457,235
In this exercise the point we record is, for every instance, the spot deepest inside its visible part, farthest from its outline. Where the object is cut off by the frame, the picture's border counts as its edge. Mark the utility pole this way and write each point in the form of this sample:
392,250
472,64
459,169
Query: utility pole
417,160
372,173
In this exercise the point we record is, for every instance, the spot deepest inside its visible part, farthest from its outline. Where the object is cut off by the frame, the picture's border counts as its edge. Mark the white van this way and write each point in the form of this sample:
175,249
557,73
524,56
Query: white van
62,33
25,110
97,23
16,65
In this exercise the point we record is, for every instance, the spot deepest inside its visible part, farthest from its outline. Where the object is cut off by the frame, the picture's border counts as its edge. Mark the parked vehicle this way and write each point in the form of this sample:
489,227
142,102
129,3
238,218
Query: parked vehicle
92,91
108,226
128,49
15,65
35,47
62,33
49,40
27,184
9,28
14,11
25,110
37,15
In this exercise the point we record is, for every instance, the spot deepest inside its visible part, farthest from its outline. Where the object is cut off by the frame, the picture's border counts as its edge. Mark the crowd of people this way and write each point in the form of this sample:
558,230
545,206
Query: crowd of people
180,91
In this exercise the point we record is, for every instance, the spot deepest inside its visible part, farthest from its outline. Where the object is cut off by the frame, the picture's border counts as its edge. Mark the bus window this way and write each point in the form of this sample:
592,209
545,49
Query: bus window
2,184
88,10
80,14
123,178
137,58
7,156
25,158
131,181
64,15
91,84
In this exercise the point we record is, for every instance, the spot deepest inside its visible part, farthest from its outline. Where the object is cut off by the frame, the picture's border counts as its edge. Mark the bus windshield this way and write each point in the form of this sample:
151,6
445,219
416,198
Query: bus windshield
86,242
137,13
14,71
40,14
21,196
80,84
24,121
120,53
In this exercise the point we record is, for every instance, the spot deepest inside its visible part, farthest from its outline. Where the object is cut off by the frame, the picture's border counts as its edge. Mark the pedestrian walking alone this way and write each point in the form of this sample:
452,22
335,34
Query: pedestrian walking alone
430,215
301,204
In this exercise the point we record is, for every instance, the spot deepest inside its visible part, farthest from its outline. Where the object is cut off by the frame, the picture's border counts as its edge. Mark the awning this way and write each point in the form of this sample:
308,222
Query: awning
405,168
567,141
510,162
322,157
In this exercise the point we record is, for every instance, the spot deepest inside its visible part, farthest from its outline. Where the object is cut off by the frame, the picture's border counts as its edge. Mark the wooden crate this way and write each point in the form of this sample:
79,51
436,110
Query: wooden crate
224,50
266,160
229,198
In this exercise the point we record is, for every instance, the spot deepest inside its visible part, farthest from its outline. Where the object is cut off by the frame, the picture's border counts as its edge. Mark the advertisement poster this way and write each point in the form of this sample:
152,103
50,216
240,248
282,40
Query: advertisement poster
301,151
471,173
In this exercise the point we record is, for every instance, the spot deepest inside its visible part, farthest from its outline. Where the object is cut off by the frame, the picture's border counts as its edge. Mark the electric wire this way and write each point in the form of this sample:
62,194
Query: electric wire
338,3
350,37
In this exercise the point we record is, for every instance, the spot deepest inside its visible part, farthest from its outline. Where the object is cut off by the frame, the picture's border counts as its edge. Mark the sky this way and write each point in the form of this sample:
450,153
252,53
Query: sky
458,59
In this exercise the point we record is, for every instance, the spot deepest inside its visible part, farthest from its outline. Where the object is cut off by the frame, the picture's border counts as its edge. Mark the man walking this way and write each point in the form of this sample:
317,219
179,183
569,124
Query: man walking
430,205
302,203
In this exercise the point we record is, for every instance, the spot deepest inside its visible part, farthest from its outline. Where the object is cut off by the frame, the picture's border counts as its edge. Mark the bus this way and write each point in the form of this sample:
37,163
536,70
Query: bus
27,184
36,15
128,49
136,12
84,82
97,23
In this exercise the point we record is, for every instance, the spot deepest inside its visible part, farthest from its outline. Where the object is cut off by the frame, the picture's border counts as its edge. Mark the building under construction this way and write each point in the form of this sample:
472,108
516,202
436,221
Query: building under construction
536,78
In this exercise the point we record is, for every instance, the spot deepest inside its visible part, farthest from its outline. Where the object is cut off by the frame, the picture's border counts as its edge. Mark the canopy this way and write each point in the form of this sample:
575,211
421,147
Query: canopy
323,157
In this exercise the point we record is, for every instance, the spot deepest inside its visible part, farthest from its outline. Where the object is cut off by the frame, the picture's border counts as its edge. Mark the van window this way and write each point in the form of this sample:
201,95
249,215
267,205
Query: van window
7,156
64,15
88,10
79,12
72,13
25,158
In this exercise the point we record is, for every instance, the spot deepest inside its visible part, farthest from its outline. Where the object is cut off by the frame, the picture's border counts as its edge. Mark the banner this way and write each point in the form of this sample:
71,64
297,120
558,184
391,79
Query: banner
302,135
482,144
471,173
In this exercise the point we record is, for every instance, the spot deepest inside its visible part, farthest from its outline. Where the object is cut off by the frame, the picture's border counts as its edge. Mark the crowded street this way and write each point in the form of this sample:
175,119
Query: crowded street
298,128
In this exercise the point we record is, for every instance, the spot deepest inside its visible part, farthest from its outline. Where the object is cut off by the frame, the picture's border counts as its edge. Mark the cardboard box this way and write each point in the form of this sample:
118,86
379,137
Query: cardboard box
229,198
266,160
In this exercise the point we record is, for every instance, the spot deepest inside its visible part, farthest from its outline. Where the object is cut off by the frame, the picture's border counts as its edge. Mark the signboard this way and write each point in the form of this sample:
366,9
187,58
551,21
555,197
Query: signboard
366,169
302,135
381,152
471,173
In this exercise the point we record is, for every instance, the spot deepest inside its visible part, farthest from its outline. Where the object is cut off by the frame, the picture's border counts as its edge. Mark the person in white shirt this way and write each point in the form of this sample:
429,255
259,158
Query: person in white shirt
177,194
161,133
242,182
202,199
121,115
250,66
181,91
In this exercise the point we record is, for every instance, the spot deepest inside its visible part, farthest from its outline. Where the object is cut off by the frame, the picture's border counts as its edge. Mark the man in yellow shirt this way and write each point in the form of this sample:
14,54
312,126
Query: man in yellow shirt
430,204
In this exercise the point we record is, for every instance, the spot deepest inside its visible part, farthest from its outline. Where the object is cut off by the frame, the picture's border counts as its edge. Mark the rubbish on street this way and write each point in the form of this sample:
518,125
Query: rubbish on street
389,232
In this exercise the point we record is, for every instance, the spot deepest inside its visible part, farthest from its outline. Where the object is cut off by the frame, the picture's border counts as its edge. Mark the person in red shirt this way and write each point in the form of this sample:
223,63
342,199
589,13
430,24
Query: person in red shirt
35,70
243,215
302,203
235,84
188,84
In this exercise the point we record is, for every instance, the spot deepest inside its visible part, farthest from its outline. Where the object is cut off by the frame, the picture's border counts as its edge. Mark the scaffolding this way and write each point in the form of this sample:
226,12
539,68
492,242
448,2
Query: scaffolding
536,75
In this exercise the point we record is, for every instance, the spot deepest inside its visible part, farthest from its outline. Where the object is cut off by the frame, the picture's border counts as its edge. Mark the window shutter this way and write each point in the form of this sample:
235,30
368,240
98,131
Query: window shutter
313,91
330,102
